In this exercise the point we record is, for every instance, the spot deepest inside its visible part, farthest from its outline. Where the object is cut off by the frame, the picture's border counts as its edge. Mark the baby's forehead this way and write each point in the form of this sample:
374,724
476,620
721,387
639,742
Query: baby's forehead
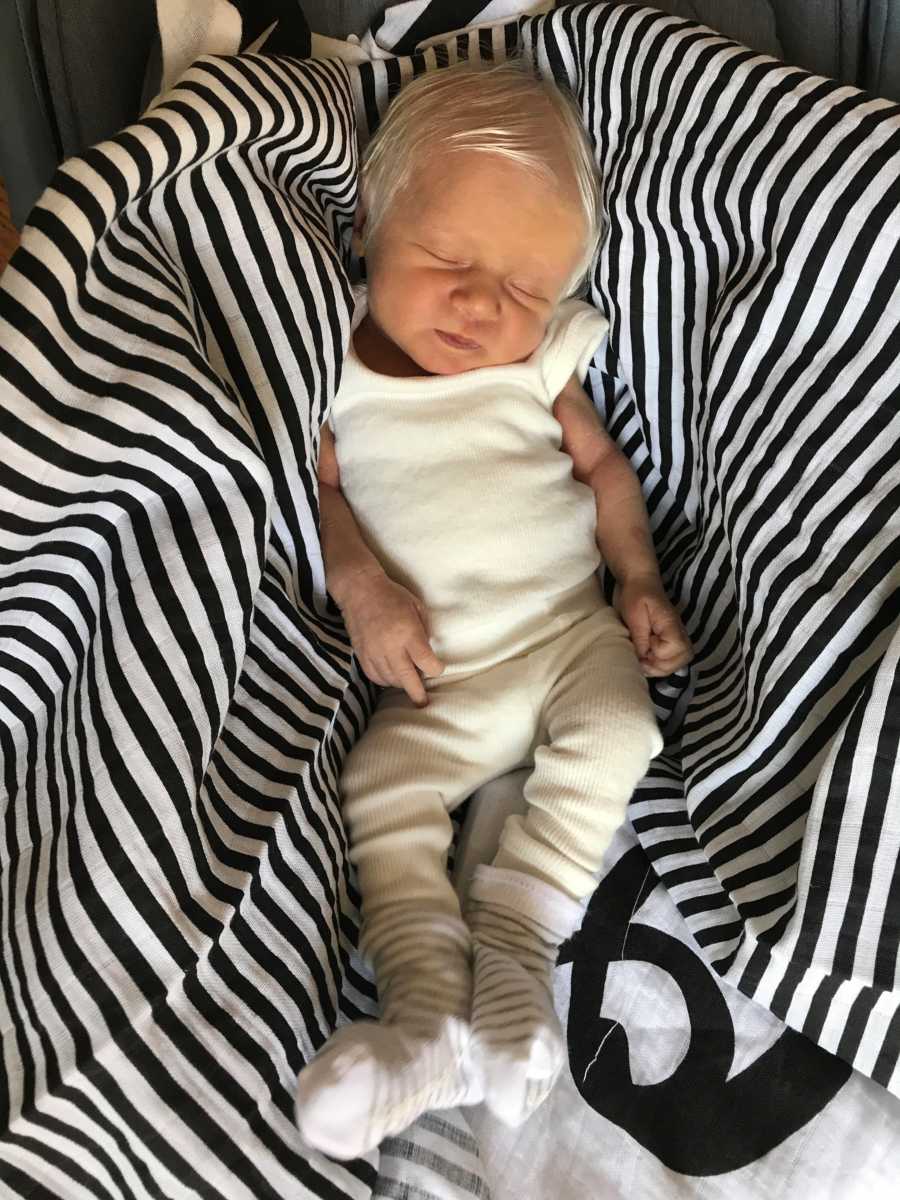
483,181
458,213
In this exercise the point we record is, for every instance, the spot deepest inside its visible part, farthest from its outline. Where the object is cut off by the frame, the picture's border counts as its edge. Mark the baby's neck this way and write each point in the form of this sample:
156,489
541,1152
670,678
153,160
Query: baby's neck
380,354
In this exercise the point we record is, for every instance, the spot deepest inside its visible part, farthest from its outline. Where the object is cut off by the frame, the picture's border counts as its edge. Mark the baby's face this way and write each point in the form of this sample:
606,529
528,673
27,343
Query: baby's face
469,265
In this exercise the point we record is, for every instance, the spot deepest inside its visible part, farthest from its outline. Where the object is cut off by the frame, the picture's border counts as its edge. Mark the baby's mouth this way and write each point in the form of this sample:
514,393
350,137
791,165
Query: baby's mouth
458,343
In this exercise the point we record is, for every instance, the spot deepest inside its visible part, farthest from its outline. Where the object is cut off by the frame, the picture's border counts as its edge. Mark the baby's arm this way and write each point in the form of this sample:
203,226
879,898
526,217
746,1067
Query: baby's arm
386,622
623,534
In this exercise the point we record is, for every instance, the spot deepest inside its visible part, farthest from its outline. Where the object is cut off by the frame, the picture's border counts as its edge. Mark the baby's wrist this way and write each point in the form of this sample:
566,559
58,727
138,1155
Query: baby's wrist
645,576
345,585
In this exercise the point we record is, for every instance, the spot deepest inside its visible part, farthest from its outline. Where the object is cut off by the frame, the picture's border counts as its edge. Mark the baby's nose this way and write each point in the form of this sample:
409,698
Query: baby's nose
477,298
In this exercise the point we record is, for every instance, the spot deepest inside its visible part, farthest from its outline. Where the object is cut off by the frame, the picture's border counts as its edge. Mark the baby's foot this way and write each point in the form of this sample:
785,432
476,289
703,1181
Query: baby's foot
516,1036
518,923
373,1079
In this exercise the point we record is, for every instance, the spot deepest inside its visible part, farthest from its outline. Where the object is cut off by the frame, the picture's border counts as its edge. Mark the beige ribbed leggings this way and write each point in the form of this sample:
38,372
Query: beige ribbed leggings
578,708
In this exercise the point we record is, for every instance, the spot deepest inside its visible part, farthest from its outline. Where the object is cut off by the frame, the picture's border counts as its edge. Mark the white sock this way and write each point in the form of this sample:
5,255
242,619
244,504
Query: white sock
374,1078
517,925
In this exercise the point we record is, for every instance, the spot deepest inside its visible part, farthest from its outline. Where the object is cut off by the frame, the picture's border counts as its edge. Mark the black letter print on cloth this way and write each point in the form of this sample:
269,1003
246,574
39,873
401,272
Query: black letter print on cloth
697,1121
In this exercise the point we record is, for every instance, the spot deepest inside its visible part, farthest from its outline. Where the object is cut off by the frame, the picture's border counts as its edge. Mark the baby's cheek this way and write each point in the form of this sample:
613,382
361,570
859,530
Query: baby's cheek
531,333
417,296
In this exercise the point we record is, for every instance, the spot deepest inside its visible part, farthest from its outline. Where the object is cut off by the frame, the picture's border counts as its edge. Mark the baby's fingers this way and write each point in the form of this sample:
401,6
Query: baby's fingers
653,669
424,615
373,671
425,658
674,647
640,630
409,679
665,656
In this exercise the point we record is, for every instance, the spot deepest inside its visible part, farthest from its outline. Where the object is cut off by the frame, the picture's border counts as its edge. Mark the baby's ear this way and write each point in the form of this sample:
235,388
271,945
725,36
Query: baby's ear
359,224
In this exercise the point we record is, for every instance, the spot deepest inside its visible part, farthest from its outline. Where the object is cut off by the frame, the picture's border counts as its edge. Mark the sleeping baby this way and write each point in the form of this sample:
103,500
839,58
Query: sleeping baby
468,493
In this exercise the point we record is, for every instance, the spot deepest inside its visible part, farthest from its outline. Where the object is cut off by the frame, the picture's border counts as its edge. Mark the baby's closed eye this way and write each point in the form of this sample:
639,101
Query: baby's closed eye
529,290
523,287
447,259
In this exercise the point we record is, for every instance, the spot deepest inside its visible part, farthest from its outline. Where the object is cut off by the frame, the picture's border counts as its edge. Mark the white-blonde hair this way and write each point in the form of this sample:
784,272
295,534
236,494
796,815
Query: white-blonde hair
500,109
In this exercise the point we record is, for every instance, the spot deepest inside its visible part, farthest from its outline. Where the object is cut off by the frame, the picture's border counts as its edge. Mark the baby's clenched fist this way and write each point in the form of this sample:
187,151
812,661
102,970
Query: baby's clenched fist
388,629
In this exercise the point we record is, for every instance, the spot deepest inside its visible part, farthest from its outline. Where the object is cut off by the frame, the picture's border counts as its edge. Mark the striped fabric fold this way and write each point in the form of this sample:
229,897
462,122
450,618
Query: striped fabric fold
176,694
750,276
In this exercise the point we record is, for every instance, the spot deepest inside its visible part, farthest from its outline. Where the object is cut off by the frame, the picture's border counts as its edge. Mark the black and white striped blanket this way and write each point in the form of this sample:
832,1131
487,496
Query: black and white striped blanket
177,696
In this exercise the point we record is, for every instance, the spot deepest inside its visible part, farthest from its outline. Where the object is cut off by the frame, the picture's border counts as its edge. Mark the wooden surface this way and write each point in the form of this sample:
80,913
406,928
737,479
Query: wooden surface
9,237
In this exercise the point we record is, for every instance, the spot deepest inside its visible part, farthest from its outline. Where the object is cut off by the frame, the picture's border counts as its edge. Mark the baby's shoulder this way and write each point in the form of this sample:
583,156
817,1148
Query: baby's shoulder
575,334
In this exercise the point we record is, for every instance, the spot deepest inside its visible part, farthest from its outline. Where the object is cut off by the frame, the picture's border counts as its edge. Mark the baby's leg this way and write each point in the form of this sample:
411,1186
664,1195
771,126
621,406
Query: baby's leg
412,766
601,734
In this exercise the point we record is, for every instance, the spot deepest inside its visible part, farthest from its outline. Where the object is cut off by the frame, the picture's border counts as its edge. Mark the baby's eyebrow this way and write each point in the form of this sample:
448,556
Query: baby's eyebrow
444,236
533,263
427,225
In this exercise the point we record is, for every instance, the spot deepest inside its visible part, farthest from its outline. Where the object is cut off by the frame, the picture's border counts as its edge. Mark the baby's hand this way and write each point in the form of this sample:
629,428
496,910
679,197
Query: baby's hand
388,628
660,640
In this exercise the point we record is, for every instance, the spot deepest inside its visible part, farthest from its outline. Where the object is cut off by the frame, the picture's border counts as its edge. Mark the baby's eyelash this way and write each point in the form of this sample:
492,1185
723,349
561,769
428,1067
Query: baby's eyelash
525,292
451,262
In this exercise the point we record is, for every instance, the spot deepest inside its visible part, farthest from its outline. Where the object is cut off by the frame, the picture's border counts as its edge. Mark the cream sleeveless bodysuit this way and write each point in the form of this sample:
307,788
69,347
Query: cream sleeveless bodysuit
461,489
